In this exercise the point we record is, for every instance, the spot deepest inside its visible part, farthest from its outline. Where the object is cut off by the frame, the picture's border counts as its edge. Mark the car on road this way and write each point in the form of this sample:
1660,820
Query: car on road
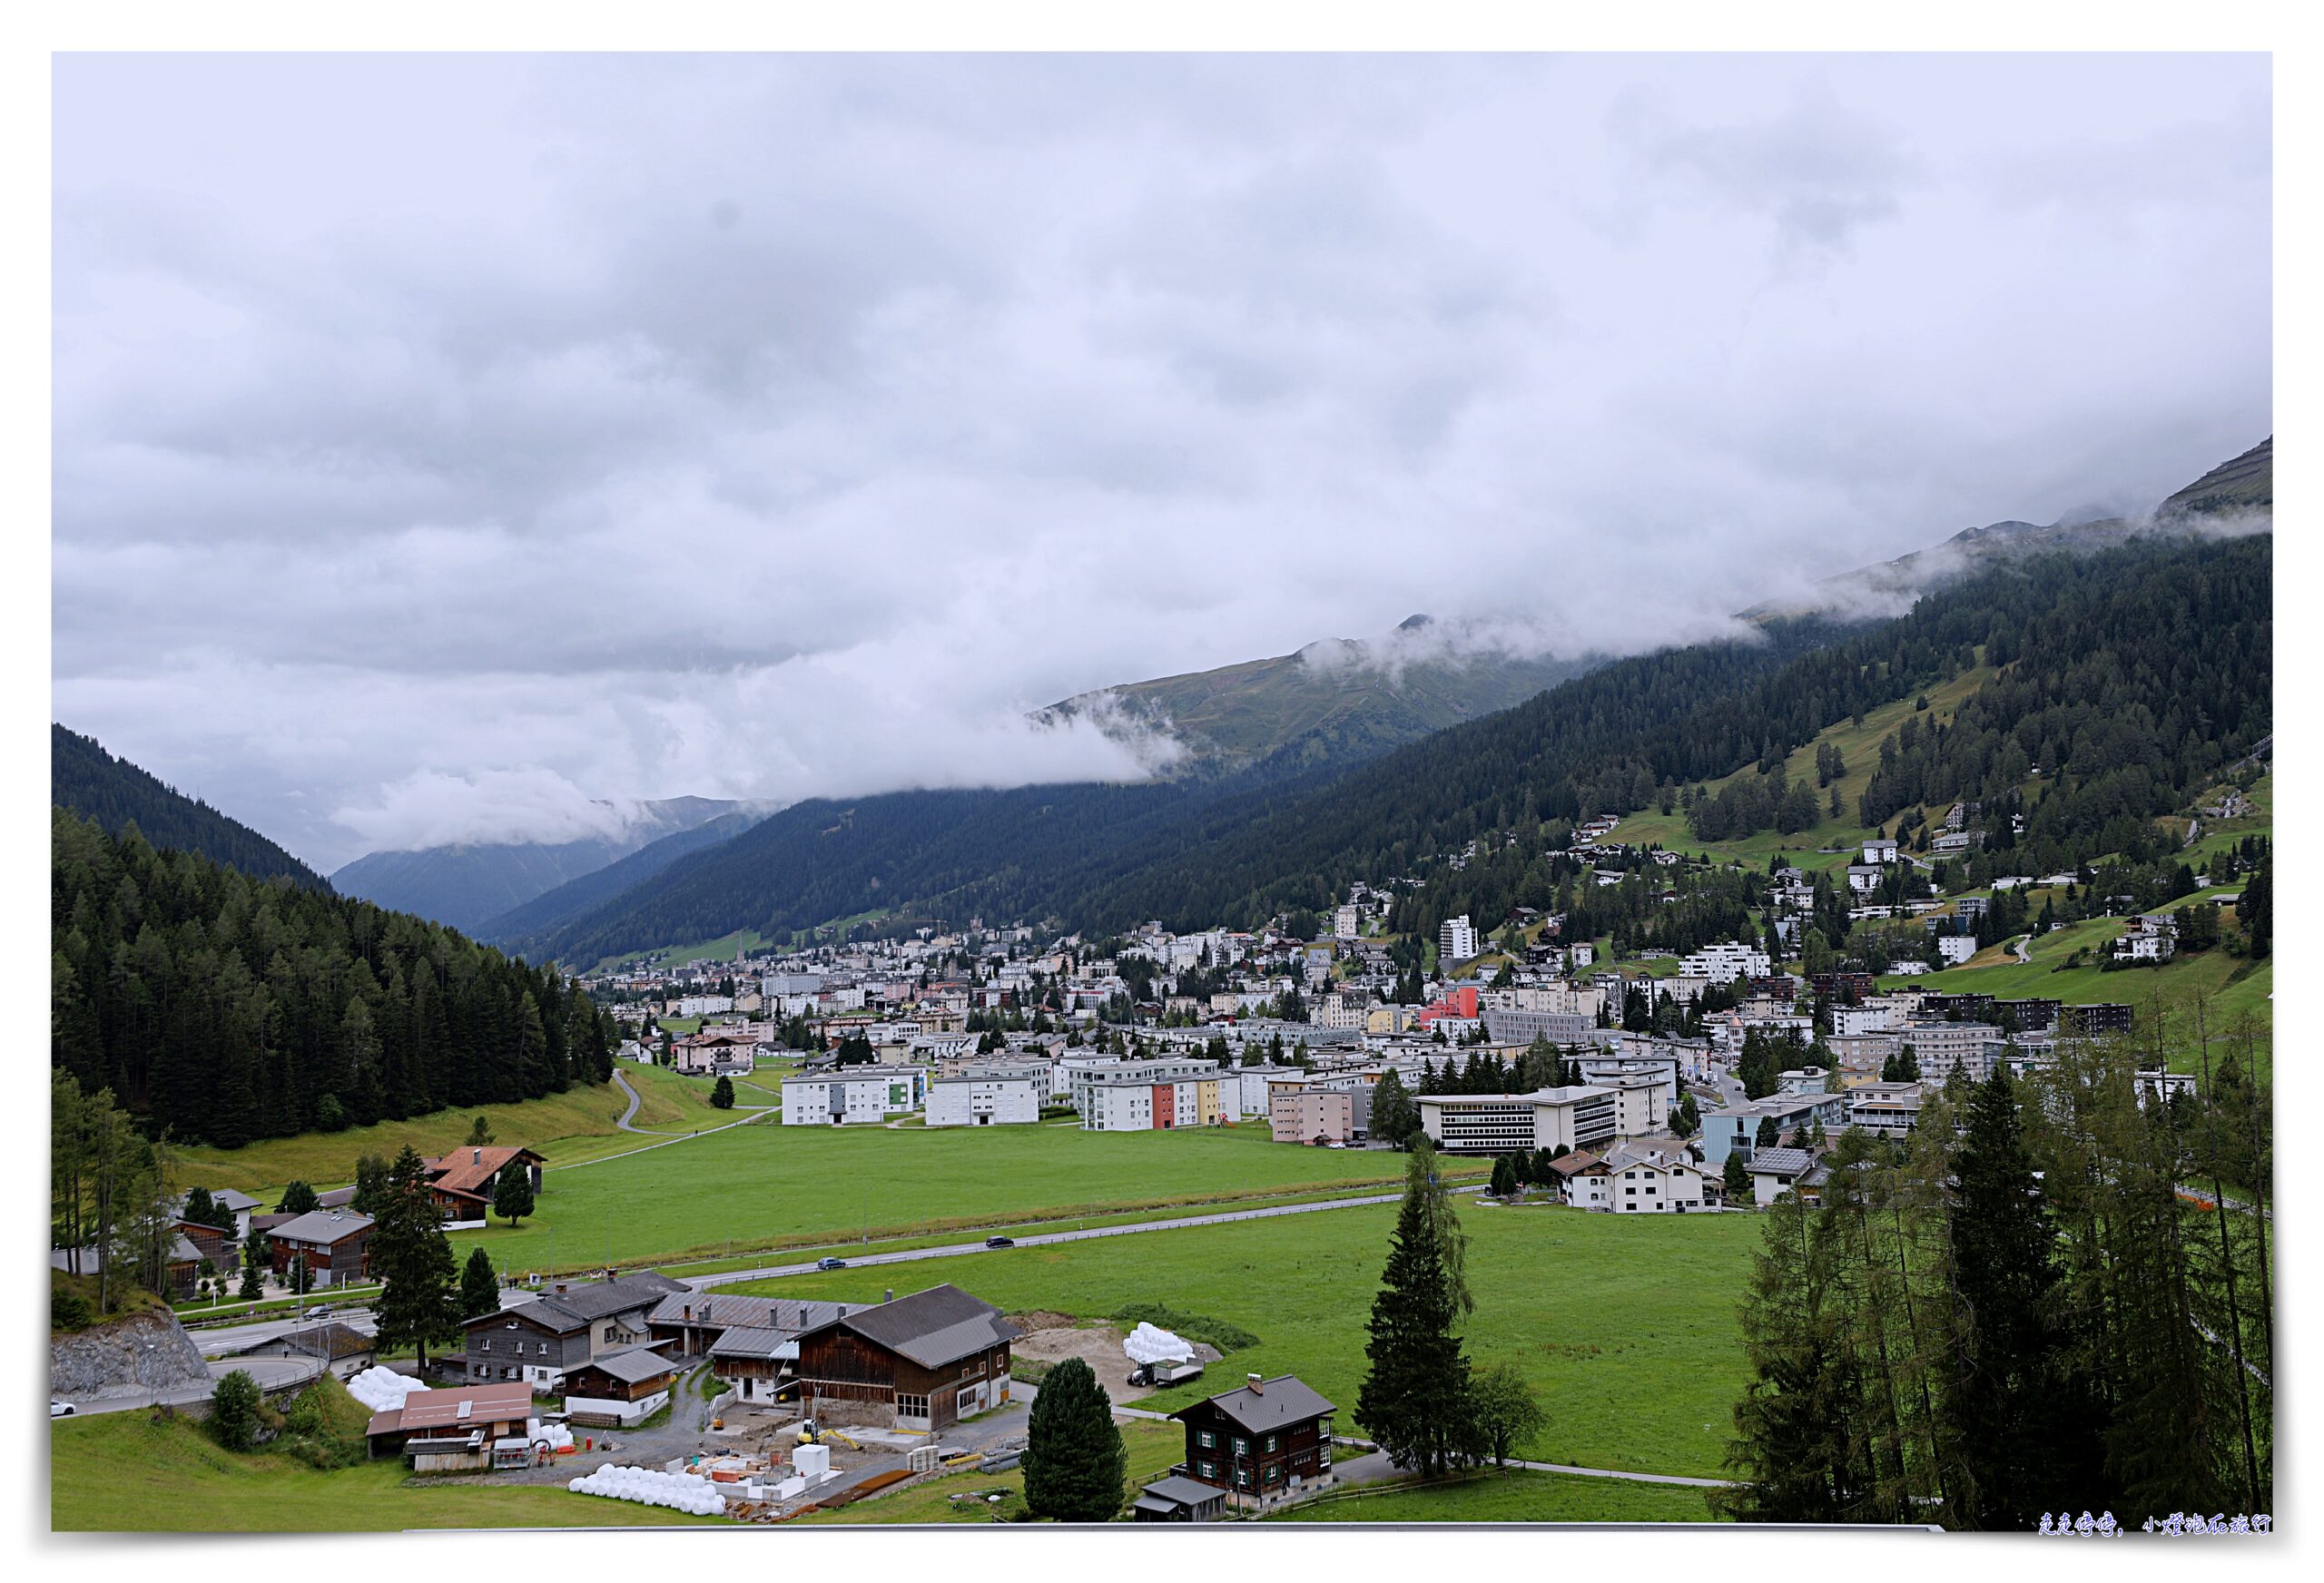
999,1242
60,1409
831,1264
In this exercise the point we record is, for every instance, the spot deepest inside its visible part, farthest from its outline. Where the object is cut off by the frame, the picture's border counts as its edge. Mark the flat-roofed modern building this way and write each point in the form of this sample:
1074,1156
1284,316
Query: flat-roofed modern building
1573,1117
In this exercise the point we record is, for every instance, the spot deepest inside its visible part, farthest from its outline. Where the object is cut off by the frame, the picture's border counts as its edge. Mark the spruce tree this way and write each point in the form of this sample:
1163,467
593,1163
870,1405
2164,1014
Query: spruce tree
2001,1270
1076,1466
479,1286
413,1260
722,1092
298,1198
1394,1118
1416,1399
512,1192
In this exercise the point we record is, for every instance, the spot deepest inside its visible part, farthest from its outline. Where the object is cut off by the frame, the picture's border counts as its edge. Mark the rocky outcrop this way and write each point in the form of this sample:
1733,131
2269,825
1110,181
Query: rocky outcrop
143,1352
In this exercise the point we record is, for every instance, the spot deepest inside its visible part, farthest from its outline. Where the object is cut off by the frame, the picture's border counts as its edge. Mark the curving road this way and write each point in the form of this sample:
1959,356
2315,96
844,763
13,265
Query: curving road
1039,1239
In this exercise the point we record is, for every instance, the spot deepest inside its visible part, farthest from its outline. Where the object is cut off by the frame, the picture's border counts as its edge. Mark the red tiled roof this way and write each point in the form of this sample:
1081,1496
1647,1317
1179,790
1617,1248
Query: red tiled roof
470,1170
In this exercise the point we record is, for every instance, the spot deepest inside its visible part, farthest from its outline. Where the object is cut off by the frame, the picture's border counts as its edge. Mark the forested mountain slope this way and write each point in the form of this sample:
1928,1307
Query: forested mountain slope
576,897
228,1008
467,886
2126,665
84,777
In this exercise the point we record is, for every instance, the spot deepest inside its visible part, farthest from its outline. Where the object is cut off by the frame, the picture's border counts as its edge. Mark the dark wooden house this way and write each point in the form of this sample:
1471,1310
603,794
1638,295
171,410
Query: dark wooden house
923,1362
1259,1444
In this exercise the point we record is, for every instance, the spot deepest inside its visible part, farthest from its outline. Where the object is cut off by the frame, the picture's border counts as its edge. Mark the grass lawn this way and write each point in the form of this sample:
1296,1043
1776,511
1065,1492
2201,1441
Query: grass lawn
1154,1448
1626,1327
131,1472
566,1129
768,1185
1513,1495
724,948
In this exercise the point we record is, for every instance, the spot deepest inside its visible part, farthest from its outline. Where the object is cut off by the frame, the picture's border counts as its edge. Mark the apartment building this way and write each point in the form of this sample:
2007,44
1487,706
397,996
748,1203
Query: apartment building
988,1098
853,1095
1573,1117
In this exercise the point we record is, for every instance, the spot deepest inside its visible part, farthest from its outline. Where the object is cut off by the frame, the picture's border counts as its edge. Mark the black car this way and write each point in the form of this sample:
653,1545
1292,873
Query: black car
831,1264
1000,1241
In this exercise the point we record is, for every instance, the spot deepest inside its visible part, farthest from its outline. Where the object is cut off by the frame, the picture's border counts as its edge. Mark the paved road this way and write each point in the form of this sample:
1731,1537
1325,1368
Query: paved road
2019,945
955,1249
635,1099
272,1374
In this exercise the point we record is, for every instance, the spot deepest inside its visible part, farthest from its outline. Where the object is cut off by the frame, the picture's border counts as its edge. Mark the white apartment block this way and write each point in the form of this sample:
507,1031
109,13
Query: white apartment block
987,1099
1456,941
1723,964
1573,1118
1953,949
1936,1045
853,1095
1083,1077
700,1004
1847,1021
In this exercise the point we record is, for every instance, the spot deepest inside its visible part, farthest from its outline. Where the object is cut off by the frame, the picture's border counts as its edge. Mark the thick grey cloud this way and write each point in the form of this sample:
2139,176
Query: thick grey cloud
442,444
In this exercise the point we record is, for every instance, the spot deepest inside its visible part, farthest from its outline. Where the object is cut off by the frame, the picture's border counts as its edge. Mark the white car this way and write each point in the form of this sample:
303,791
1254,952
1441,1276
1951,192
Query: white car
62,1410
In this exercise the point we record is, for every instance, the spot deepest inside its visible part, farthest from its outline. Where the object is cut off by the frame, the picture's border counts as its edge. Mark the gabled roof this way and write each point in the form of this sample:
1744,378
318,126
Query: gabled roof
631,1364
728,1311
333,1341
322,1225
426,1409
1282,1400
593,1299
931,1328
472,1170
753,1341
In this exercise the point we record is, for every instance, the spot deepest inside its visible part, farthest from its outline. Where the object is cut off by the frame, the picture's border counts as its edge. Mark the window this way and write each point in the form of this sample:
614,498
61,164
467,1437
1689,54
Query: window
1206,1469
1206,1439
911,1407
966,1403
487,1343
1268,1445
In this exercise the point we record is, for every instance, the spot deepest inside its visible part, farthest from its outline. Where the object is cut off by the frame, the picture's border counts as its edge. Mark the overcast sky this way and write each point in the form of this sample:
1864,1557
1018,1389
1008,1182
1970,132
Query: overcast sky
442,443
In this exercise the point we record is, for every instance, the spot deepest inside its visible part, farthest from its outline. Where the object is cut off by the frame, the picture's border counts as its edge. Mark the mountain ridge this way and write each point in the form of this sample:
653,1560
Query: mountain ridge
90,780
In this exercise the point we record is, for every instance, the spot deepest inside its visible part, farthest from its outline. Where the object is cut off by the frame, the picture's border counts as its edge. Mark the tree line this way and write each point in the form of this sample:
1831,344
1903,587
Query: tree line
229,1009
2022,1308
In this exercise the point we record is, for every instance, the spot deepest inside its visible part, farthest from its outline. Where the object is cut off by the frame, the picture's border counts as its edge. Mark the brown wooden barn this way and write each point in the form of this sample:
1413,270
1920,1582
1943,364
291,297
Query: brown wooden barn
923,1362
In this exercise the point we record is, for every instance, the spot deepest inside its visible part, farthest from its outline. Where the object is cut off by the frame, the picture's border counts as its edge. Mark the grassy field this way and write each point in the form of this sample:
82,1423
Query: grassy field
132,1472
1625,1326
577,1125
2234,984
1154,1448
724,948
766,1185
1513,1495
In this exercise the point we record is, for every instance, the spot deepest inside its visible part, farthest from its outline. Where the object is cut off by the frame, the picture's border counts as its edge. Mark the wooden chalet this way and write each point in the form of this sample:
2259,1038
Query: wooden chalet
1269,1439
461,1182
923,1362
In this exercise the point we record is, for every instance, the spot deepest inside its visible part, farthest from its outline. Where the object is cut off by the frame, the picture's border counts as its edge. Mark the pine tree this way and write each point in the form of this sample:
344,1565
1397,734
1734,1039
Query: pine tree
2002,1271
370,1184
1076,1465
479,1286
1416,1399
1394,1117
722,1092
1737,1178
298,1198
254,1261
412,1257
512,1192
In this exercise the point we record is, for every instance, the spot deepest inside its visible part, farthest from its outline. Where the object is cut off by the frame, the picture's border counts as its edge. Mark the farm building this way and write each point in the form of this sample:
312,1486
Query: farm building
923,1362
470,1430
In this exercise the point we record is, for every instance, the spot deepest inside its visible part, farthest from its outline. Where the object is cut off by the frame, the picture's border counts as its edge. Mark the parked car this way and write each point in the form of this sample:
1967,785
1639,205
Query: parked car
999,1242
60,1409
831,1264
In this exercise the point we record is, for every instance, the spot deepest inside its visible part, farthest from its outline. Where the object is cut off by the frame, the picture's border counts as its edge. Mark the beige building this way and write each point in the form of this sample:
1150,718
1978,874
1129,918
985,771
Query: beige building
1302,1115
